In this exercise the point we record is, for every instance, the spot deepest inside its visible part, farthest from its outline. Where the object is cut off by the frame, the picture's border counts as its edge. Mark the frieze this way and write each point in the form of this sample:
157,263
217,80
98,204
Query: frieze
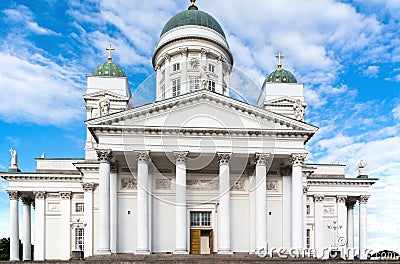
163,184
53,207
128,184
238,186
210,185
329,210
272,185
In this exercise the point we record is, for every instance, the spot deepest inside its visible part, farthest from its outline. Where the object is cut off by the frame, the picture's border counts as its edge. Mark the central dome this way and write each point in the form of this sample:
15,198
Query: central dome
193,16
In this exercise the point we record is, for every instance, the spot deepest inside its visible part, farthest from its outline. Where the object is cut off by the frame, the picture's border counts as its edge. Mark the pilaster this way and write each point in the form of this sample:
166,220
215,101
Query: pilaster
88,188
318,224
39,225
65,231
363,200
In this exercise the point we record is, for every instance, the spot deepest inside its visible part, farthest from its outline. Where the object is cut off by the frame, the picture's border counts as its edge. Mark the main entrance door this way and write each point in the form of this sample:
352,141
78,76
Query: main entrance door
201,241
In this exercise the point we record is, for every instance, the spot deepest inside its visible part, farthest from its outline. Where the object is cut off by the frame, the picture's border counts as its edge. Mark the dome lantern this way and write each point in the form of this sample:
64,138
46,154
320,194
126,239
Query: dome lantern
280,75
109,68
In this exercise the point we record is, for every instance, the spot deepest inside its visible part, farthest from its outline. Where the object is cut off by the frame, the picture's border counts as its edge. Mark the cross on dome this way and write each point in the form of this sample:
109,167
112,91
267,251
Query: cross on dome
279,56
193,2
110,49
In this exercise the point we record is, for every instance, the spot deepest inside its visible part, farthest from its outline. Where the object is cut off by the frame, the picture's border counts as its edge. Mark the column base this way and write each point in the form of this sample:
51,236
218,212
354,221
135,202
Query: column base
225,251
142,252
103,252
181,251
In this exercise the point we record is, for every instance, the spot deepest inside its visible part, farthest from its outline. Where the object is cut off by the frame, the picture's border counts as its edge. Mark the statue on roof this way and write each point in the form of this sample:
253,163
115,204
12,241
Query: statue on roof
298,110
104,106
361,167
14,159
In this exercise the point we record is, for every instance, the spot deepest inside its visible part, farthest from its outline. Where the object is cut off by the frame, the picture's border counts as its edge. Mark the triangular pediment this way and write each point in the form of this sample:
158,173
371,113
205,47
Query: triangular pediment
112,96
285,100
201,110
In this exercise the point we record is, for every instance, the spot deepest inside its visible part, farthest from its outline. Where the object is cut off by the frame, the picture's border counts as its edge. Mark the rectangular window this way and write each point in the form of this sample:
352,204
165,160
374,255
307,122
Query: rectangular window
308,238
308,209
163,92
79,239
79,207
176,67
211,68
176,87
200,219
211,86
194,83
162,75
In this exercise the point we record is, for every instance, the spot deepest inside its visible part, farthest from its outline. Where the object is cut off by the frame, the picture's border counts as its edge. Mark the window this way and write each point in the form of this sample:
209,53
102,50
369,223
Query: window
162,75
194,83
79,207
200,218
308,238
308,209
211,86
176,67
176,87
211,68
79,238
163,92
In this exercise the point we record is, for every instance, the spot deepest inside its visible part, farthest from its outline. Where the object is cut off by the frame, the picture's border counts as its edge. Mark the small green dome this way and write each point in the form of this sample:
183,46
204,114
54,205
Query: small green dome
193,16
281,76
109,68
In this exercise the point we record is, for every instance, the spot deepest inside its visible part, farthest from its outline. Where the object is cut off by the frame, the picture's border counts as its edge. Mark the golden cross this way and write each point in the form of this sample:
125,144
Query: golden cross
193,2
110,49
279,56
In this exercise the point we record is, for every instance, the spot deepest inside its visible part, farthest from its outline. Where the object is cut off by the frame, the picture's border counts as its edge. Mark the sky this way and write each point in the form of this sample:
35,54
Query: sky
347,54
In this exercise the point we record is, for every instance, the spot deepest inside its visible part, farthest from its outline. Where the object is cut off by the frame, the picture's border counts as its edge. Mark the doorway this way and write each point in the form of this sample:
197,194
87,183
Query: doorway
201,241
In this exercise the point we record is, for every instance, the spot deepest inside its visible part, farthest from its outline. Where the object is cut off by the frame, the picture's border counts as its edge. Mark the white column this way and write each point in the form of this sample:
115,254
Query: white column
350,228
65,231
142,203
342,225
180,203
304,211
287,206
252,201
103,246
318,224
261,201
363,226
297,200
39,226
167,78
26,243
224,208
88,215
14,225
113,208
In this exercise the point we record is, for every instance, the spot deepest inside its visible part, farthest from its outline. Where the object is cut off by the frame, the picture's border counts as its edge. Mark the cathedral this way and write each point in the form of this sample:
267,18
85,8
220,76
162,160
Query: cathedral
194,172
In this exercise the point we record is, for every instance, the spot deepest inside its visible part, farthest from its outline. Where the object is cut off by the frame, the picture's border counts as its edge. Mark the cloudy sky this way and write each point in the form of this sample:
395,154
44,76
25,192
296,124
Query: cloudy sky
347,53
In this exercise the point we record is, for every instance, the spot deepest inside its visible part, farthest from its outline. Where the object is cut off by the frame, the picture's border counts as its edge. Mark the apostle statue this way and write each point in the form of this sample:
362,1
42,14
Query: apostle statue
104,106
14,159
361,167
298,110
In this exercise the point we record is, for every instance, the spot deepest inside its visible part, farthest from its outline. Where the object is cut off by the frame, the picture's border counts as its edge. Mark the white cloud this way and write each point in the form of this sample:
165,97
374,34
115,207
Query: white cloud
396,112
372,71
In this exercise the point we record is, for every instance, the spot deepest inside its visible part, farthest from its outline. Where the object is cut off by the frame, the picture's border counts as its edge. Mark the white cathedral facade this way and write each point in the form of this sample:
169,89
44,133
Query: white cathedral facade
195,172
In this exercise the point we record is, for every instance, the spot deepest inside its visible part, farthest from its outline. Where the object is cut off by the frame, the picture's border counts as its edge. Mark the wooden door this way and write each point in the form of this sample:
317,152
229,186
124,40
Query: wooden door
211,242
195,246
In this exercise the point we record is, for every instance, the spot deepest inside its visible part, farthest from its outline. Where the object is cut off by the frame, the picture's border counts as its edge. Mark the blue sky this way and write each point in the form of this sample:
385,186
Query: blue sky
347,53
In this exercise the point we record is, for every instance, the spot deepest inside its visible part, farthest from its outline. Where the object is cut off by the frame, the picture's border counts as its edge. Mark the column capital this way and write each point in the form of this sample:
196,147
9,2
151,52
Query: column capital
39,195
114,167
143,156
286,171
297,159
27,200
363,199
65,195
167,57
104,155
180,157
184,52
305,189
88,186
262,158
319,198
350,203
341,199
204,52
224,158
14,195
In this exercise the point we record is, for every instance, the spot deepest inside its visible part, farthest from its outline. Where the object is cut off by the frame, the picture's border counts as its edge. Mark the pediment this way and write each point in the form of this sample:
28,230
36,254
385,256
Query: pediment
285,100
111,95
202,110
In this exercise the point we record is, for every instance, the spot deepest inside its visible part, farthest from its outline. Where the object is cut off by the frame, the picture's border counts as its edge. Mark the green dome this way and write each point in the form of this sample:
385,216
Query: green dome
193,16
281,76
109,68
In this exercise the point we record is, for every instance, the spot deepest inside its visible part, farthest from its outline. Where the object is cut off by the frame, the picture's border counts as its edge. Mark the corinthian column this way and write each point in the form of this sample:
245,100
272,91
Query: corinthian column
26,243
224,209
297,161
363,226
142,203
287,206
113,207
350,227
65,232
104,156
14,225
180,203
261,201
88,215
40,226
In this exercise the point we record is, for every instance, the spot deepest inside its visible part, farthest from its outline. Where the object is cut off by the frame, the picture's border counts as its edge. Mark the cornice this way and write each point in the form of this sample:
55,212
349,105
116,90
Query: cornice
340,182
42,177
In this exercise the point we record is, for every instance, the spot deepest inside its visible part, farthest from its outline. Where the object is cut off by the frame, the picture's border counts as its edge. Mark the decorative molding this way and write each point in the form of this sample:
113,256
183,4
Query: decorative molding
204,52
180,157
221,59
207,185
128,184
305,189
167,57
65,195
297,159
27,200
272,185
114,167
39,195
319,198
329,210
339,182
163,184
88,186
184,51
363,199
286,171
14,195
238,186
53,207
142,156
104,155
341,199
224,158
262,158
43,177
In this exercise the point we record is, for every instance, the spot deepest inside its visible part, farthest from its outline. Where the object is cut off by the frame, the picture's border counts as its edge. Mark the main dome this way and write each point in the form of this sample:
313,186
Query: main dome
193,16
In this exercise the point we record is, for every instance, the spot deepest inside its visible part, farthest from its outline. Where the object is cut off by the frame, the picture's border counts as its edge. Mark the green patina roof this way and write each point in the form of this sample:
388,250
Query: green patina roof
193,16
109,68
281,76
